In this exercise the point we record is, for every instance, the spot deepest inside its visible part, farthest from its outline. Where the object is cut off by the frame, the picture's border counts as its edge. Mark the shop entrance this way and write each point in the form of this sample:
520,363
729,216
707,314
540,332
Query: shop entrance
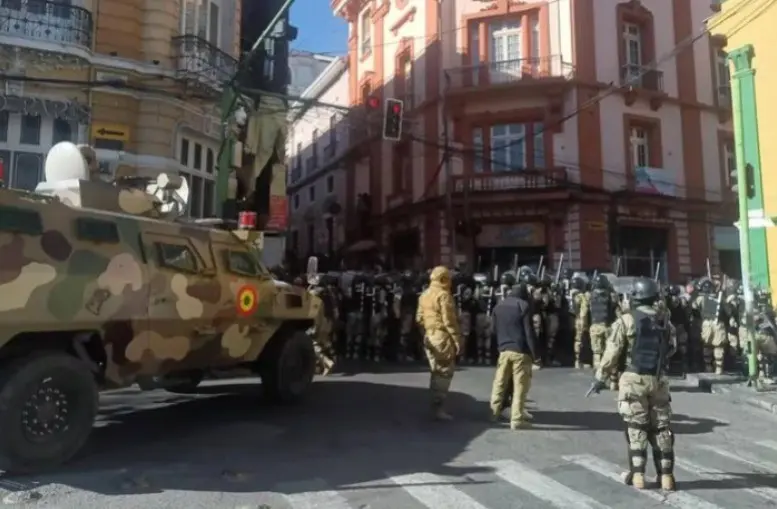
504,258
405,249
500,245
640,249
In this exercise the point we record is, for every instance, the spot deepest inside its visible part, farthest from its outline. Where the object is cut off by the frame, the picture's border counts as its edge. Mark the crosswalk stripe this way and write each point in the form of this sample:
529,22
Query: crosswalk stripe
677,499
767,466
541,486
719,475
769,444
435,491
313,494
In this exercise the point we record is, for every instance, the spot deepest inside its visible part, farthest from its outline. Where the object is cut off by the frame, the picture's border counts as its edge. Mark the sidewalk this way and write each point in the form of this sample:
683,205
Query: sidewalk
735,387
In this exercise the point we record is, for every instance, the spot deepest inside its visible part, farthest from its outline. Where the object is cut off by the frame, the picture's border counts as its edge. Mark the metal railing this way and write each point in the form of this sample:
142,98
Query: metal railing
47,21
640,76
550,178
509,71
201,60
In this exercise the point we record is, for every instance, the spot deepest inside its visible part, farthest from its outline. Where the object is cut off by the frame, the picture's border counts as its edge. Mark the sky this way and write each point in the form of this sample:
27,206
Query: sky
319,30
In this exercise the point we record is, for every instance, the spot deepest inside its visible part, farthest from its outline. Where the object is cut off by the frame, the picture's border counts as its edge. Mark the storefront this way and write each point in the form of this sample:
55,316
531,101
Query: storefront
638,250
726,242
502,244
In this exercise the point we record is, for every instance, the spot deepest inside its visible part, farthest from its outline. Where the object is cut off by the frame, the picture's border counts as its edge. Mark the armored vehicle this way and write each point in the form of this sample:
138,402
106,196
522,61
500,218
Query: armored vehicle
105,284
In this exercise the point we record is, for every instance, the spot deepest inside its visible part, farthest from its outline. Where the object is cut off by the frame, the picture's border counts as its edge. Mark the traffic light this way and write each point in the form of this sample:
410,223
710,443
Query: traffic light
392,119
750,180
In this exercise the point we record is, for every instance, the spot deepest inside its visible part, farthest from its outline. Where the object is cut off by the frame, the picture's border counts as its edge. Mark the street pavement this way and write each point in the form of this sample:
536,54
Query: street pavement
364,441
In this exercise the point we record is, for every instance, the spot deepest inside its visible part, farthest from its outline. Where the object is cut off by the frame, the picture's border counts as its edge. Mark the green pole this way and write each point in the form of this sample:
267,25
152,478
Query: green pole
744,224
228,107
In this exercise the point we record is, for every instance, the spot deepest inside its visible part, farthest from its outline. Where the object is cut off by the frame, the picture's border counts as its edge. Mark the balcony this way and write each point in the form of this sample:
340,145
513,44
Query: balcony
551,179
640,76
521,72
201,61
45,21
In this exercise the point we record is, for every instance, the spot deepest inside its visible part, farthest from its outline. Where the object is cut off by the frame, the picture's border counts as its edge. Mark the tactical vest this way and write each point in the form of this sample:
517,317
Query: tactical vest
709,308
677,313
650,344
600,308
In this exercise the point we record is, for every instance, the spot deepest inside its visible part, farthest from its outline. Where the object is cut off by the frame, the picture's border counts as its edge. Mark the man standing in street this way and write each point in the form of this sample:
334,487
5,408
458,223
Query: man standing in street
512,323
437,318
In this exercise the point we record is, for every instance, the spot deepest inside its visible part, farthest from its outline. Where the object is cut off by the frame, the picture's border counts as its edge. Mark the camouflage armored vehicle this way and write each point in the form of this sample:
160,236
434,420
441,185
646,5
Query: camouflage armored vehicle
105,284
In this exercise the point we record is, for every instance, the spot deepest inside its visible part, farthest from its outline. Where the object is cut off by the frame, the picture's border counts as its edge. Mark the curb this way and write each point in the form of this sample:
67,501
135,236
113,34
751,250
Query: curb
731,390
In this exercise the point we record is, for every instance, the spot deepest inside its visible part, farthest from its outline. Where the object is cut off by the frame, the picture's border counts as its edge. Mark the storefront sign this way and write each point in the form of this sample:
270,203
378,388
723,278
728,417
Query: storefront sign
35,106
512,235
655,181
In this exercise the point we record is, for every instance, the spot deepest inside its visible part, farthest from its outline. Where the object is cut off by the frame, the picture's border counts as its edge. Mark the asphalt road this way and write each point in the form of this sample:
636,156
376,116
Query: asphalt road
365,442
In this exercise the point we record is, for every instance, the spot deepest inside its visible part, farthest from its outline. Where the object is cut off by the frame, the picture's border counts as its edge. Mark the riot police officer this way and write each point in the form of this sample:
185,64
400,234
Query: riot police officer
713,332
648,340
578,303
602,309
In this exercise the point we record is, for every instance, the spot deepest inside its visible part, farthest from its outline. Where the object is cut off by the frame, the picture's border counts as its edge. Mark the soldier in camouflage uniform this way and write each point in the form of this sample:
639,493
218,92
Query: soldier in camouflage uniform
647,338
602,309
713,332
578,301
436,316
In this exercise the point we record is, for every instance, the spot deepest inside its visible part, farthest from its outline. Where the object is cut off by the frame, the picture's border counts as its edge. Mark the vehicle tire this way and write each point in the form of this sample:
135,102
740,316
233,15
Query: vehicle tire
48,404
287,370
184,384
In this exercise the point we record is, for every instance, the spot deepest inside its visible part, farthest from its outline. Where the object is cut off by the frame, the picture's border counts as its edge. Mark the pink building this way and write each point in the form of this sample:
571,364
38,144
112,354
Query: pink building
566,137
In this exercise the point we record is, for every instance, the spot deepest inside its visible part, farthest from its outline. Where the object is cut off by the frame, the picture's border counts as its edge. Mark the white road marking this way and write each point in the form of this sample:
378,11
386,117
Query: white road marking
313,494
678,499
767,466
719,475
435,492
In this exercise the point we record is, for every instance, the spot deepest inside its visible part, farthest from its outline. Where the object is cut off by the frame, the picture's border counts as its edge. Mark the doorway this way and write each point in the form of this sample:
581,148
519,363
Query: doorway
641,249
505,257
405,249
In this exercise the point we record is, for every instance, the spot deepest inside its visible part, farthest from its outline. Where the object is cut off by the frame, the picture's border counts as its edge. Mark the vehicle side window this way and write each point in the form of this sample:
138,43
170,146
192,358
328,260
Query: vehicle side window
176,257
241,263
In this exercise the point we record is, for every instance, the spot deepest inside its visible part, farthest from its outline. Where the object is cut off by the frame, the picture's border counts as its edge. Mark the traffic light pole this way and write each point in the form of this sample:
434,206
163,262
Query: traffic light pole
744,229
228,106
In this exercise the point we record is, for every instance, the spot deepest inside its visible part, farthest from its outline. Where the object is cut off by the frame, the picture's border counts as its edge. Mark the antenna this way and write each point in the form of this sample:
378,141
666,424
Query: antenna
65,162
173,193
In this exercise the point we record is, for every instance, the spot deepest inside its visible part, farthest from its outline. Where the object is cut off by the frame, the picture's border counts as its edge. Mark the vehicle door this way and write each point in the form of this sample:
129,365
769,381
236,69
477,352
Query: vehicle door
181,309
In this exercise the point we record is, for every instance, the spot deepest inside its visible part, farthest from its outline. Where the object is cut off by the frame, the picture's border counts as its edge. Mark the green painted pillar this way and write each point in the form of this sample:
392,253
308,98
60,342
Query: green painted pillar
745,119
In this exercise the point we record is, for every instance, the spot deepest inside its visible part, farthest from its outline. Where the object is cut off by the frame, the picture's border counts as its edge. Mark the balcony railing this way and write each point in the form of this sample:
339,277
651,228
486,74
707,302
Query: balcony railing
198,59
639,76
509,71
47,21
551,178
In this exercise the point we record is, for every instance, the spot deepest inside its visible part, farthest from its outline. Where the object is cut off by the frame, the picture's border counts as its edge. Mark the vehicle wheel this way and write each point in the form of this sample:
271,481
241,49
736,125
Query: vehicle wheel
48,404
184,383
288,370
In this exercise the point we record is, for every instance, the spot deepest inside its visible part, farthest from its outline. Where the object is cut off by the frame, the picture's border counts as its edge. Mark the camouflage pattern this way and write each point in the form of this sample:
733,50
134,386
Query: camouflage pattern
580,302
378,322
766,349
644,403
158,298
515,368
598,334
714,339
436,316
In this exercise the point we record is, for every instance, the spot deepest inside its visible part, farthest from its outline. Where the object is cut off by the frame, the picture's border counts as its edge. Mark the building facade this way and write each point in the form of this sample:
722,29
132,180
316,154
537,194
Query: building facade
317,142
139,83
563,136
304,68
742,30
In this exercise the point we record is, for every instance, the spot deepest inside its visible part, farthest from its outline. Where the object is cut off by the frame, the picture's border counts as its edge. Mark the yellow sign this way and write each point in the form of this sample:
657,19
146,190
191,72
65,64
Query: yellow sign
115,132
596,226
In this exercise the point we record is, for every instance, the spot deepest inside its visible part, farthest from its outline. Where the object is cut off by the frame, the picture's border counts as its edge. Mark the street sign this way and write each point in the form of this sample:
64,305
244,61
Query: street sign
115,132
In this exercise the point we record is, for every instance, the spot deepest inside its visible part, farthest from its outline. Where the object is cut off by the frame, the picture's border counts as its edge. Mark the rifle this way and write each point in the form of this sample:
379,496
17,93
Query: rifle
558,270
596,387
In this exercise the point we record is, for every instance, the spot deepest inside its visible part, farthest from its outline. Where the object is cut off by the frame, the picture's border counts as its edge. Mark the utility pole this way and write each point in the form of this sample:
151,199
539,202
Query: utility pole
229,99
744,228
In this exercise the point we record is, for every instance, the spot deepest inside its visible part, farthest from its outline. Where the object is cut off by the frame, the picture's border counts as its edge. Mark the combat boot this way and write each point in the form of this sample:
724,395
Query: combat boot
442,416
638,480
526,415
515,426
667,482
578,365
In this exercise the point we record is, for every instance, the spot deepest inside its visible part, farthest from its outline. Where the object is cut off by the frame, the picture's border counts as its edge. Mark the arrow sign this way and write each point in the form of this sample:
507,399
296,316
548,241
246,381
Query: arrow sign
107,132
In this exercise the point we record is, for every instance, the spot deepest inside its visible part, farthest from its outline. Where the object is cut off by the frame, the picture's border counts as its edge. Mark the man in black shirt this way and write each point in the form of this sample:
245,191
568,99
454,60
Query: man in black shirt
512,324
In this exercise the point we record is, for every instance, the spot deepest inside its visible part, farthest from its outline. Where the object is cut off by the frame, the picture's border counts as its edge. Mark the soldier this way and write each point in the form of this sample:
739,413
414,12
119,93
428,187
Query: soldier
765,334
516,343
732,325
602,309
713,333
578,302
647,339
677,307
436,316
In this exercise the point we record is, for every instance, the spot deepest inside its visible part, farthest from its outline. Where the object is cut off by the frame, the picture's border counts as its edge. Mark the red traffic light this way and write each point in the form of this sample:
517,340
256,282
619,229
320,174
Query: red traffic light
396,108
373,102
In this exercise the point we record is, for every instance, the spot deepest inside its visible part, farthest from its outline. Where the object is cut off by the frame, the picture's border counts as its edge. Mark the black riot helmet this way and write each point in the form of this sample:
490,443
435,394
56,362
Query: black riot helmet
579,281
601,282
508,278
706,285
645,291
520,291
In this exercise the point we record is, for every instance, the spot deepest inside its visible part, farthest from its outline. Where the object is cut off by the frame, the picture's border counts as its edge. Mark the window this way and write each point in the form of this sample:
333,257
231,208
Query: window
640,148
201,18
30,130
97,230
508,147
63,131
333,129
506,50
19,220
729,161
474,51
330,184
723,78
477,146
365,32
197,192
314,145
312,193
241,263
4,116
176,257
210,161
299,155
534,45
183,156
197,156
296,201
538,137
213,29
632,39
